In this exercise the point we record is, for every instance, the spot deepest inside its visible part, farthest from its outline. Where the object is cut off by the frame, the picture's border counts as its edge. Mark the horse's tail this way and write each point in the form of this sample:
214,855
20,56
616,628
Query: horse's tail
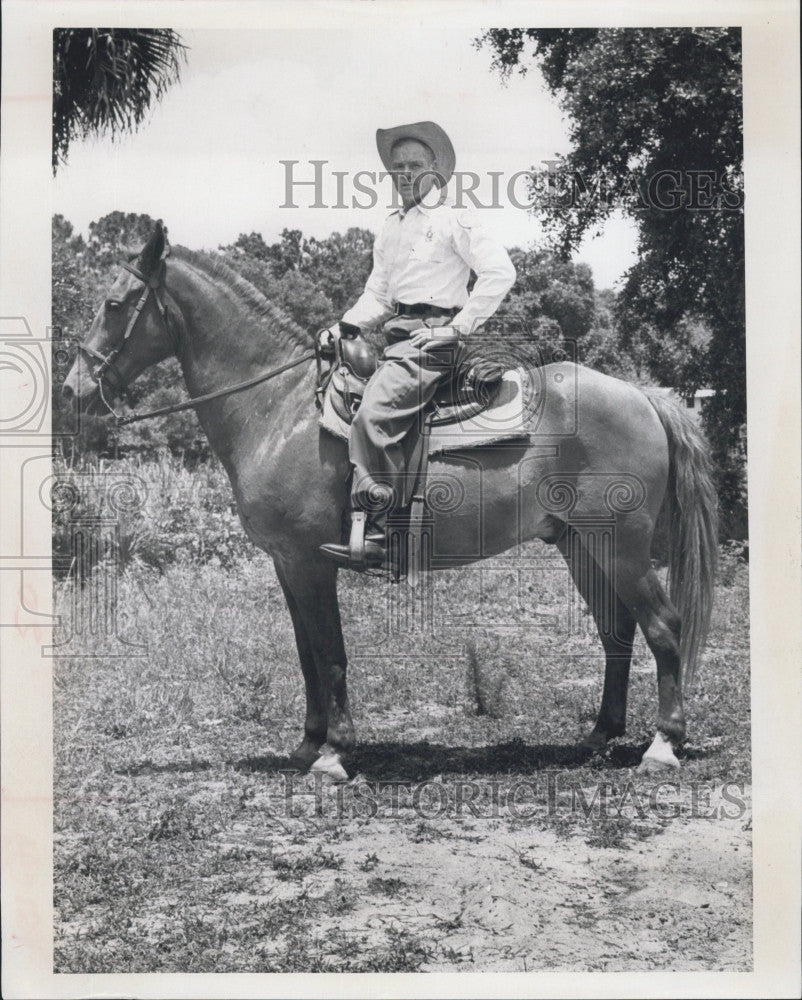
691,506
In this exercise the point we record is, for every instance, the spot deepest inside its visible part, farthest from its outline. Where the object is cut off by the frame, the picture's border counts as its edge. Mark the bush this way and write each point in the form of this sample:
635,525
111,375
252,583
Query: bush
151,513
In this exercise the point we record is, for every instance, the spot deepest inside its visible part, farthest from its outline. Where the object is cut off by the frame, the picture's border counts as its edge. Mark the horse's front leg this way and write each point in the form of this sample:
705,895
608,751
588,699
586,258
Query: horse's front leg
316,721
311,588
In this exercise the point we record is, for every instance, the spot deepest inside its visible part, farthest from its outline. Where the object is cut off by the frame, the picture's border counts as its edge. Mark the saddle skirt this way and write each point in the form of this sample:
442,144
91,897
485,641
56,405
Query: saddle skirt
486,413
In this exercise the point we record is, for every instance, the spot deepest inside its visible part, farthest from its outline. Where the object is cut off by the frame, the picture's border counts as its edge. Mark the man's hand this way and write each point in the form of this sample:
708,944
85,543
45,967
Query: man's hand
431,338
325,338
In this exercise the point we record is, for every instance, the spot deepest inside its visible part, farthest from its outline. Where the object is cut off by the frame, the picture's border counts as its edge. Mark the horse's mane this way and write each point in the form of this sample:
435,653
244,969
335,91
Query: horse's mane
285,329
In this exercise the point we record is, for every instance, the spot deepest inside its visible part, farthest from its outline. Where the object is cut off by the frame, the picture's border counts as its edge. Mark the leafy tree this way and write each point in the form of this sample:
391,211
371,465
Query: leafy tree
70,309
75,292
340,265
250,245
558,302
288,254
656,130
117,235
604,349
550,288
292,291
106,79
313,280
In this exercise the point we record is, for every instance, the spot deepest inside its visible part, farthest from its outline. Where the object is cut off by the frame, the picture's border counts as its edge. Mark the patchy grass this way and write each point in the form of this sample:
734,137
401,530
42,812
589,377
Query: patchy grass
386,886
174,846
297,868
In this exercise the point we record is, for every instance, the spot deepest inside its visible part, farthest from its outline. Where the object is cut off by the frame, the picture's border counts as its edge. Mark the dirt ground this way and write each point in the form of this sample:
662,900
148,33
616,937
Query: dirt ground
485,894
242,873
534,901
473,835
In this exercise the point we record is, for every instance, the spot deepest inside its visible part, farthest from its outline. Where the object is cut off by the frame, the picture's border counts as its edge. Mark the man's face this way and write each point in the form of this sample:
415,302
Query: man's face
412,165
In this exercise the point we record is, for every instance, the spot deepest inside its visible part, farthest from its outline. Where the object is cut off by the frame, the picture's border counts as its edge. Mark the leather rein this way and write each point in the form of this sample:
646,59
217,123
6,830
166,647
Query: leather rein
107,362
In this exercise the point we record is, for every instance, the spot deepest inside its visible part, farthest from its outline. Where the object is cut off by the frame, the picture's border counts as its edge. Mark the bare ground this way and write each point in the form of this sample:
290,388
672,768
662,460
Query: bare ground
492,899
177,847
214,867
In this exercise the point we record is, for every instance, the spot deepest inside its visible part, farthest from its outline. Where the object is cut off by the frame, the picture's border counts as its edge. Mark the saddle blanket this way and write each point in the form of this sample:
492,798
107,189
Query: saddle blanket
503,420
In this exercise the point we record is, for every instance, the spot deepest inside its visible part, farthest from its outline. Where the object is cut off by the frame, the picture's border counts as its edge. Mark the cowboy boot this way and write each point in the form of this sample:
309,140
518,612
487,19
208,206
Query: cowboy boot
366,548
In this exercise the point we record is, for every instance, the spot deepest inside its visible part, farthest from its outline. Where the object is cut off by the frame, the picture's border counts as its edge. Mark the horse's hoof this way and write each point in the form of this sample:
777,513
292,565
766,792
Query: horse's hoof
659,757
329,764
302,758
653,765
594,743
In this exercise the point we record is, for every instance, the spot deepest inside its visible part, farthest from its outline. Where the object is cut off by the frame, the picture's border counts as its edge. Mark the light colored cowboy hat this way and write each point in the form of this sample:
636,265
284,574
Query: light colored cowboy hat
426,132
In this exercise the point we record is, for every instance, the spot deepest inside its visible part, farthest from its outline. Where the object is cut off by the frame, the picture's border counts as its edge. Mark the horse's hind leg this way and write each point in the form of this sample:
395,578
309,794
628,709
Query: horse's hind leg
640,589
616,627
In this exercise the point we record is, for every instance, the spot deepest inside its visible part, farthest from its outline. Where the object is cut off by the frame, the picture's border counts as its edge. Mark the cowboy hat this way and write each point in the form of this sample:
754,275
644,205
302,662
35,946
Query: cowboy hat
429,134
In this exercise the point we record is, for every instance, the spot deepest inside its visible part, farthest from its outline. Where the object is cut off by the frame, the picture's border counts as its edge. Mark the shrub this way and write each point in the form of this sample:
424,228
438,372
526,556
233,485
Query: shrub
149,513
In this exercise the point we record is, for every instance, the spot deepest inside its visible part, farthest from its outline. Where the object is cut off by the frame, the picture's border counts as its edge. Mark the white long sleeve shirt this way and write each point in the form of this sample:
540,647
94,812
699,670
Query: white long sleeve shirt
425,255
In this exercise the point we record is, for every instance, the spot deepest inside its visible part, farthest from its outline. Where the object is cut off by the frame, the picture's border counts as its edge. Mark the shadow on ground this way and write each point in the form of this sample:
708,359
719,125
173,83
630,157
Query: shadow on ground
418,761
396,761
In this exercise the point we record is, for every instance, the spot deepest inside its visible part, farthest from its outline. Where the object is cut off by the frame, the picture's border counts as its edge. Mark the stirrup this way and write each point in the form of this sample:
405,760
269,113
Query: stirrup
356,540
360,553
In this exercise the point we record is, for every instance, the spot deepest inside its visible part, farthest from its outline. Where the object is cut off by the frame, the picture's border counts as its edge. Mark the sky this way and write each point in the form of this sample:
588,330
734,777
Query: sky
208,160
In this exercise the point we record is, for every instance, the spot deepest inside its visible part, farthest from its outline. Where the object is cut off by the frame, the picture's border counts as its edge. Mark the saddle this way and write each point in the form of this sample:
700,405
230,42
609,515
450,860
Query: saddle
471,389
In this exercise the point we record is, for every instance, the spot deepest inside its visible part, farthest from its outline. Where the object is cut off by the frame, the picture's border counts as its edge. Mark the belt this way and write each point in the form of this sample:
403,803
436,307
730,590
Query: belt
423,309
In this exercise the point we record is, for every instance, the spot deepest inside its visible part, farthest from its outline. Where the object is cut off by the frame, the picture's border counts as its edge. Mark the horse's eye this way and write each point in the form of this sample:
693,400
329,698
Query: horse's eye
112,305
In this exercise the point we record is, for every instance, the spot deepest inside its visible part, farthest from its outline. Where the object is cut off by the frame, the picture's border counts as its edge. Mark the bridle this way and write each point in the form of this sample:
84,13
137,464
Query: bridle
155,284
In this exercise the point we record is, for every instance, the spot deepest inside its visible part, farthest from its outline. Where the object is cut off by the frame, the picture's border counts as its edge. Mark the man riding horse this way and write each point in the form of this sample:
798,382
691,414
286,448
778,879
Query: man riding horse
422,260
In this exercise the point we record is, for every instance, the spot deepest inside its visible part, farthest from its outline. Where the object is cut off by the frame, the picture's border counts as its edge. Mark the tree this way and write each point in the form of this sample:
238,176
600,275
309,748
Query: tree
558,302
548,287
340,265
118,234
313,280
656,131
106,79
75,292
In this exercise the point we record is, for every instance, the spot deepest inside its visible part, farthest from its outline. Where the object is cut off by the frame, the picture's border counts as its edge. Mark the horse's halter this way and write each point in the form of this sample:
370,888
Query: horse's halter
155,284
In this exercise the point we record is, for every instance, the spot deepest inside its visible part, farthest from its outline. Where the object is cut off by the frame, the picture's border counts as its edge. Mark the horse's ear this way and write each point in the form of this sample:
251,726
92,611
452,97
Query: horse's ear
151,254
167,248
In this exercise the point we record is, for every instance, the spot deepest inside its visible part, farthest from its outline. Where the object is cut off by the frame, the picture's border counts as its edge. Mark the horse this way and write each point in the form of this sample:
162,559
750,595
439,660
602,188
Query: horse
603,452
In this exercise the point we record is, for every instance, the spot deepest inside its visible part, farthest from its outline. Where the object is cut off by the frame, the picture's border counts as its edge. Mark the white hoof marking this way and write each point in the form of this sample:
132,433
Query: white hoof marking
329,764
660,755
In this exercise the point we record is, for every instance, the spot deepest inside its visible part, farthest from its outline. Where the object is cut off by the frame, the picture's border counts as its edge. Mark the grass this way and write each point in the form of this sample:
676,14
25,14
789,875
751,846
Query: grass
297,868
172,848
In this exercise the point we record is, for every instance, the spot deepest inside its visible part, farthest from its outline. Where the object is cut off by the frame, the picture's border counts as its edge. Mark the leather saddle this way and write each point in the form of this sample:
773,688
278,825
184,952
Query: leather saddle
472,388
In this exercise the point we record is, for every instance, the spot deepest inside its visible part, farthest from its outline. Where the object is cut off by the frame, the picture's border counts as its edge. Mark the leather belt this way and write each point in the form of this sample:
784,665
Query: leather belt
423,309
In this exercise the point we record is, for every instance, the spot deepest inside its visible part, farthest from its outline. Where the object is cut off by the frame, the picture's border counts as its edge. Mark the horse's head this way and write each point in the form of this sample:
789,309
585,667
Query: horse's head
131,331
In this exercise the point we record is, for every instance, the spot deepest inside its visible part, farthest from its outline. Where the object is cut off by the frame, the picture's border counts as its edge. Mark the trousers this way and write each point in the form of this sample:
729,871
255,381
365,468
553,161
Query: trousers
388,424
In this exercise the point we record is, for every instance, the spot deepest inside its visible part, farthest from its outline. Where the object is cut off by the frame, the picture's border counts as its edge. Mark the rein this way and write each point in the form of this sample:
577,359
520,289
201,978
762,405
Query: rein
107,361
176,407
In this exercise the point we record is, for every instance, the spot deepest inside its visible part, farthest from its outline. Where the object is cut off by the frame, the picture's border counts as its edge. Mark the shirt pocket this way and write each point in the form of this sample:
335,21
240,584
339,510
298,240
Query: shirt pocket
428,250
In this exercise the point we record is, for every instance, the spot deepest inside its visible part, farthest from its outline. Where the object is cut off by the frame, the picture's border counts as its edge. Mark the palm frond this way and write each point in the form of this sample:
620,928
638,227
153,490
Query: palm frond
108,79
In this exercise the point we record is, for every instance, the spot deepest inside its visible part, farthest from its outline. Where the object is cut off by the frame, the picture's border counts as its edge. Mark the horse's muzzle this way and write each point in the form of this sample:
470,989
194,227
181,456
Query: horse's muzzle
80,389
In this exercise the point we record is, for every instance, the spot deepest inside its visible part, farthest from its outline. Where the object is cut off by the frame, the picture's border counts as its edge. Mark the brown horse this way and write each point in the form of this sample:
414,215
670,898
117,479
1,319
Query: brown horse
600,462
